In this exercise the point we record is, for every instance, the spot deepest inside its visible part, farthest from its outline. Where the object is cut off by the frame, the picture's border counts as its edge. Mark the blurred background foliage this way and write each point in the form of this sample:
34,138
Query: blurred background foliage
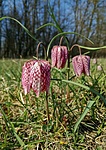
86,17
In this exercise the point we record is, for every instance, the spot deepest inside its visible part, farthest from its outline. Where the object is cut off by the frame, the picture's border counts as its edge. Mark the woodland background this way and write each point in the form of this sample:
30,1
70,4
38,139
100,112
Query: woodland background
86,17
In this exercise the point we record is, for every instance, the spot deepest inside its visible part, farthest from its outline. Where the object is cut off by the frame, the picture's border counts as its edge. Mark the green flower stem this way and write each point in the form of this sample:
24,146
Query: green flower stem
37,50
47,107
68,75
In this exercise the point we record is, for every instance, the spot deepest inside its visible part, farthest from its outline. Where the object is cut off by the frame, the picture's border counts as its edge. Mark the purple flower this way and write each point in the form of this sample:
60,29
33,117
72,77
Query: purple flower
36,75
94,61
81,64
99,68
59,55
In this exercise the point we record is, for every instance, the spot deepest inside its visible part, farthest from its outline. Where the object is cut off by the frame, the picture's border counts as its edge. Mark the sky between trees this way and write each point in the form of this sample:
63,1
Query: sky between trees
86,17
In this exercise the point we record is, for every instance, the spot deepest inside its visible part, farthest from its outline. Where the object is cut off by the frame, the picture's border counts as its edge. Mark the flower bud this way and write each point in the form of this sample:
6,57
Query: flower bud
99,68
94,61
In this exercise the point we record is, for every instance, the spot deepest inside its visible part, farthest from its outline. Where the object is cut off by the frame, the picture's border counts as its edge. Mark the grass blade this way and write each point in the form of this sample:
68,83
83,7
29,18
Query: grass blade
89,105
87,88
7,121
5,118
17,137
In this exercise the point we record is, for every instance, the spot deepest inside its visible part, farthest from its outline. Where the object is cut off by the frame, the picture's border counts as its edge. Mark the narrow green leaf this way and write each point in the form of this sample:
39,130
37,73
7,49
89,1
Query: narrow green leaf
92,48
89,105
7,121
47,24
51,13
65,33
17,137
101,78
87,88
5,117
28,32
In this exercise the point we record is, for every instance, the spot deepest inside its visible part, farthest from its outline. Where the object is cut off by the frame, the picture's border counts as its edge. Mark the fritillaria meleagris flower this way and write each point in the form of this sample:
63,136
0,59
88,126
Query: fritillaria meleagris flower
94,61
36,76
81,64
26,82
59,56
99,68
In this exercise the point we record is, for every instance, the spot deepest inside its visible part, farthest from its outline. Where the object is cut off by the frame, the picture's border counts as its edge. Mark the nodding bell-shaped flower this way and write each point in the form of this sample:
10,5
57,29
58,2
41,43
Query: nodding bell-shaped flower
99,68
94,61
36,76
81,64
59,55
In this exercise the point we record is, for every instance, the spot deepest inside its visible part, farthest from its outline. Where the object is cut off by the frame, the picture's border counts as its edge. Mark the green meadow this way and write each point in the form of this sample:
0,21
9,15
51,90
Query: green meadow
77,122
